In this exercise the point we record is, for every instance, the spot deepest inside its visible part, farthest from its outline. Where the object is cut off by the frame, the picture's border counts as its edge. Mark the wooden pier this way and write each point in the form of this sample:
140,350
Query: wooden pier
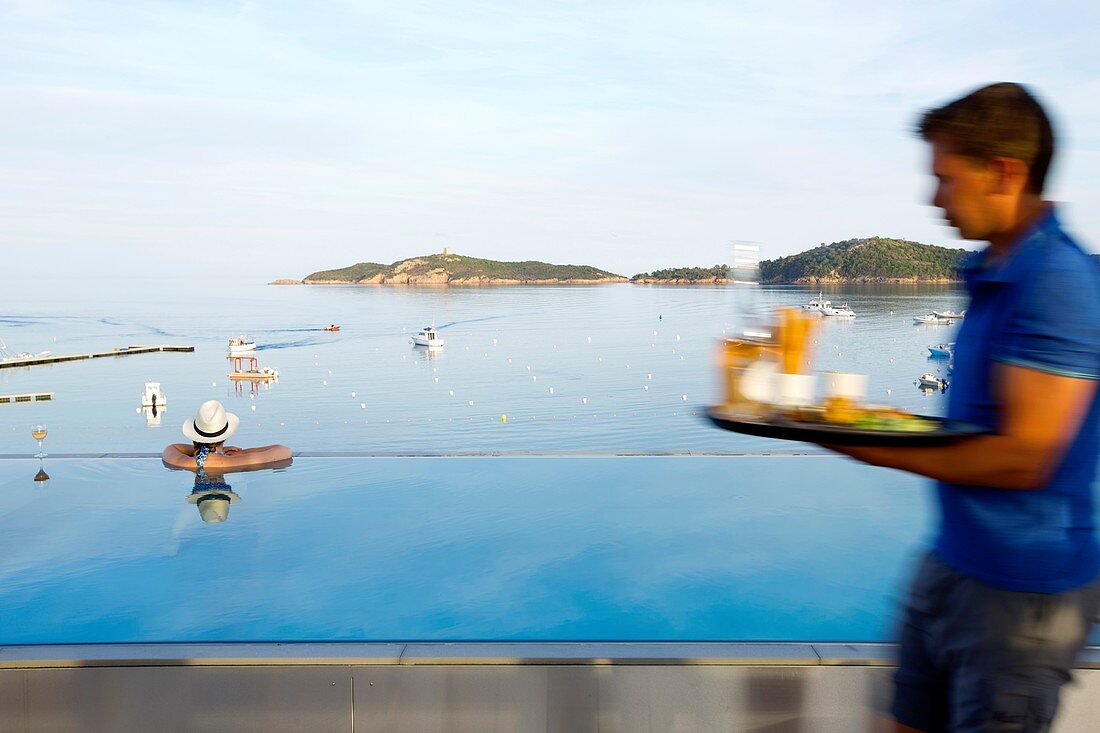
57,358
29,397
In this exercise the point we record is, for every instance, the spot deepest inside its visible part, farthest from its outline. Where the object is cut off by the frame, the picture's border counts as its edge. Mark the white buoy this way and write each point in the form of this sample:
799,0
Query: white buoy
470,403
589,339
314,363
654,333
649,377
213,384
645,387
889,391
509,360
352,394
362,405
599,359
534,378
684,397
584,400
330,371
314,356
677,337
437,380
528,368
251,396
253,408
452,393
324,382
551,390
627,366
494,342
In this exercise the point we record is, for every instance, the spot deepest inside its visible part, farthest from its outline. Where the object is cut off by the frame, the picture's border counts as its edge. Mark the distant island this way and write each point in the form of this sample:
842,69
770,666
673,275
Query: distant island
869,260
453,269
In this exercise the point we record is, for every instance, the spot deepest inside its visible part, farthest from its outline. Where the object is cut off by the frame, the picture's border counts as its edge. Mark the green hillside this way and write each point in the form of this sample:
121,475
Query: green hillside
717,273
874,259
453,268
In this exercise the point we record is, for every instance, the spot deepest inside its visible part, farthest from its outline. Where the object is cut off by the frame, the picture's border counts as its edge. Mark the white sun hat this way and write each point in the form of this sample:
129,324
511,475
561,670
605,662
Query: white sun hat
211,424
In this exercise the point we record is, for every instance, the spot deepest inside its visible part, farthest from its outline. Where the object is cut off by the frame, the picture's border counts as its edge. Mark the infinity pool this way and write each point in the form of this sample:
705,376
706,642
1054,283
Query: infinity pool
485,548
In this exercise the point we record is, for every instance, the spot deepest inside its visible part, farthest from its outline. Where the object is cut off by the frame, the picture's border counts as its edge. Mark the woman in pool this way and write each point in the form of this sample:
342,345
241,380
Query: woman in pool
208,431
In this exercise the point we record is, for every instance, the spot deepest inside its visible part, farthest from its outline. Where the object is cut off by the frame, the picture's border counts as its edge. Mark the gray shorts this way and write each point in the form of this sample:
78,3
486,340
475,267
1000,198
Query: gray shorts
978,658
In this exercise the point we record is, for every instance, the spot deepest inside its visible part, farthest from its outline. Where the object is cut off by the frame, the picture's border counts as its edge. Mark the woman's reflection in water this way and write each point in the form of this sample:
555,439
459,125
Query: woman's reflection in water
213,496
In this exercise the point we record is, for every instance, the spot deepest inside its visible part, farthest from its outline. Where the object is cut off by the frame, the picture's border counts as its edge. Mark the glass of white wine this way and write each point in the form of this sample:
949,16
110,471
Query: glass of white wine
38,432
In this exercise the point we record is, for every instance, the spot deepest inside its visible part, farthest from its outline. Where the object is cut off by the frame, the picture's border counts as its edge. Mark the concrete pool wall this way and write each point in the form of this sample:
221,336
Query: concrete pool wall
460,687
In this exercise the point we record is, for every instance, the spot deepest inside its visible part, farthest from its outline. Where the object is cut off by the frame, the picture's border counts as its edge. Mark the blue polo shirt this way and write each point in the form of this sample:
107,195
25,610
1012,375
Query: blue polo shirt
1039,308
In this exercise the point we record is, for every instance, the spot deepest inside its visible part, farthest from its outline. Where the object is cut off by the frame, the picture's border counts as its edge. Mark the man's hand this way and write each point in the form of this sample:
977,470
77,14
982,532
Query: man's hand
1039,417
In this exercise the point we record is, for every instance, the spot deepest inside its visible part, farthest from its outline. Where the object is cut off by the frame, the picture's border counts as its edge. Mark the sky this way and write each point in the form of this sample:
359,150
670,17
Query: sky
256,140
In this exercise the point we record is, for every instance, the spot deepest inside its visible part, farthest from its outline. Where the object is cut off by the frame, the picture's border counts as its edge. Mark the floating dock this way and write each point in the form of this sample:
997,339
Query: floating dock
57,358
29,397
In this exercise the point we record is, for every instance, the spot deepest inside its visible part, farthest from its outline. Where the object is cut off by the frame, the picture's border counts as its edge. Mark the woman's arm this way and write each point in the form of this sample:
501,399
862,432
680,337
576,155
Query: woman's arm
179,455
245,457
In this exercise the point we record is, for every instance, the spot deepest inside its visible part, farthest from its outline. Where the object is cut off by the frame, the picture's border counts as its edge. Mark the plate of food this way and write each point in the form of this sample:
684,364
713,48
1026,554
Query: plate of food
840,424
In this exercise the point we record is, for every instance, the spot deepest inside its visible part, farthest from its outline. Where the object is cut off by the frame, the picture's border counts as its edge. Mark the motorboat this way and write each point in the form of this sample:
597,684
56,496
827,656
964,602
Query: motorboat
951,315
840,311
942,351
242,345
152,396
332,328
928,380
934,320
817,305
428,337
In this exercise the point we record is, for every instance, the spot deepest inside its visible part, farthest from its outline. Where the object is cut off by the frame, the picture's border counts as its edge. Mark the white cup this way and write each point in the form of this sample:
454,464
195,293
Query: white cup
795,390
758,381
846,384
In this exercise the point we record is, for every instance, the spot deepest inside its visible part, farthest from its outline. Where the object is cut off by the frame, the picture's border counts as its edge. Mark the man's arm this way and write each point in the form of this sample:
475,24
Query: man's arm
1040,414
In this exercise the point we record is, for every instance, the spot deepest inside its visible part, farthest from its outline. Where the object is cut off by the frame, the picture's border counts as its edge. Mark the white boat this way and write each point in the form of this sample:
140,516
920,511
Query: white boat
934,320
152,396
241,345
840,311
942,351
817,305
6,355
951,315
259,374
428,337
928,380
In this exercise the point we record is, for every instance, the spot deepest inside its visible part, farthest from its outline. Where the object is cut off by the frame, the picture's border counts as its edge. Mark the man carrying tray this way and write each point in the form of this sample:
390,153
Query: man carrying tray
1004,601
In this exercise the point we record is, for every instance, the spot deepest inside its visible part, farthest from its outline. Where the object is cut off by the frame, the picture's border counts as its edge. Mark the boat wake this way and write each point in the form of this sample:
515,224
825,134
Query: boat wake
468,320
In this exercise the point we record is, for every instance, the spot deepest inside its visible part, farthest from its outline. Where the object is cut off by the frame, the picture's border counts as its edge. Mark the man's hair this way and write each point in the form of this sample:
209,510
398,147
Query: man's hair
997,121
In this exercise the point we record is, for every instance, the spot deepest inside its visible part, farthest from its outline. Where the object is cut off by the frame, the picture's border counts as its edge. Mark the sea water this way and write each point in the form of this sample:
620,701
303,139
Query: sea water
605,368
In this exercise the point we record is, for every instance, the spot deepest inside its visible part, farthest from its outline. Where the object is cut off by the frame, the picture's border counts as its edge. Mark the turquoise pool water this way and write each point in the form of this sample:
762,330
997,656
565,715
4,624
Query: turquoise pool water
516,548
